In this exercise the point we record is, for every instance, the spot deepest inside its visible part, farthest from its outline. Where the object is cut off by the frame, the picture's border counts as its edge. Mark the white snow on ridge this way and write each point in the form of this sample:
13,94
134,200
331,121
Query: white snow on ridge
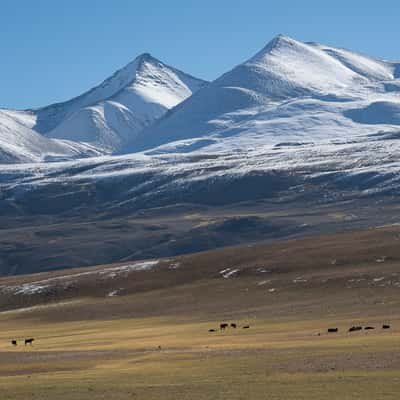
114,112
142,266
301,67
229,272
363,65
373,156
289,91
37,287
300,108
20,143
99,121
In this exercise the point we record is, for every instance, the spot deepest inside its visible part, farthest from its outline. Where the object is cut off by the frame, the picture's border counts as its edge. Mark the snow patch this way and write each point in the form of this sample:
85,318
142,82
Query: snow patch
67,281
300,279
229,272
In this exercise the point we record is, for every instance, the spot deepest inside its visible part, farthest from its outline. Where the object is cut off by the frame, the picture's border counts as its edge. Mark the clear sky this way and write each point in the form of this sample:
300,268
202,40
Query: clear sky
52,50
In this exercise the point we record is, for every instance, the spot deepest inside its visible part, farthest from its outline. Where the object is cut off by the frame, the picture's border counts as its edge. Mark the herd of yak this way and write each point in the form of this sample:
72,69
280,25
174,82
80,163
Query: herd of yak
233,325
224,326
27,341
357,328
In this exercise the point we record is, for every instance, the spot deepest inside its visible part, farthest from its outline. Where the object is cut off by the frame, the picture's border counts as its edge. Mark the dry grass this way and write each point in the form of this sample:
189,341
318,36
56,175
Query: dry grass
96,347
119,359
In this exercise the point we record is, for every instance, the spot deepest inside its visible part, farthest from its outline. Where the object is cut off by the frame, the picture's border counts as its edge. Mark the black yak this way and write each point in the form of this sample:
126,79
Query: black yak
222,327
355,328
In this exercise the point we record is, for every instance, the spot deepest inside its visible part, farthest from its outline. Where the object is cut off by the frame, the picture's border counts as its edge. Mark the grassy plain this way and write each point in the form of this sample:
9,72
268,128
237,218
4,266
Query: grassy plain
92,346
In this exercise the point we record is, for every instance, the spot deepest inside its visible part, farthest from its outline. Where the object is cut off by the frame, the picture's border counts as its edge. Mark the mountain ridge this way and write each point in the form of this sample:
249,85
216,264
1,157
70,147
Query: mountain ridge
289,91
252,99
128,93
98,121
298,130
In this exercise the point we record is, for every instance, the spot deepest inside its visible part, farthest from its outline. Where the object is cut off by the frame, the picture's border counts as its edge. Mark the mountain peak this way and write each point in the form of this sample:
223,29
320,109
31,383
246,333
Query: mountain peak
122,105
146,57
282,38
279,42
130,69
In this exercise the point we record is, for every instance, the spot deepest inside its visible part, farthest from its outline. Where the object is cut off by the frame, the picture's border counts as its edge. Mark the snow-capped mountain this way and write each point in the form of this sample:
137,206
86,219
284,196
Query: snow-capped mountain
289,91
118,109
299,126
99,121
20,143
302,110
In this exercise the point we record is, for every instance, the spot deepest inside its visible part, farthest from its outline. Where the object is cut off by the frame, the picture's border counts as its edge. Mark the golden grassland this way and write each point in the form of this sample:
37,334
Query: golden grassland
153,342
120,359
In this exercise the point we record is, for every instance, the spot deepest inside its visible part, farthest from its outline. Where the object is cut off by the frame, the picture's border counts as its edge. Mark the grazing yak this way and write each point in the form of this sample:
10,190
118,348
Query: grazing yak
222,327
29,341
385,326
368,328
14,342
333,330
233,325
355,328
211,330
246,327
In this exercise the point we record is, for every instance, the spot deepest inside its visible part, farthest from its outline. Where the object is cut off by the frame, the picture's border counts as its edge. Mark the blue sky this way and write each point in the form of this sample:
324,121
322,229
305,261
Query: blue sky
53,50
